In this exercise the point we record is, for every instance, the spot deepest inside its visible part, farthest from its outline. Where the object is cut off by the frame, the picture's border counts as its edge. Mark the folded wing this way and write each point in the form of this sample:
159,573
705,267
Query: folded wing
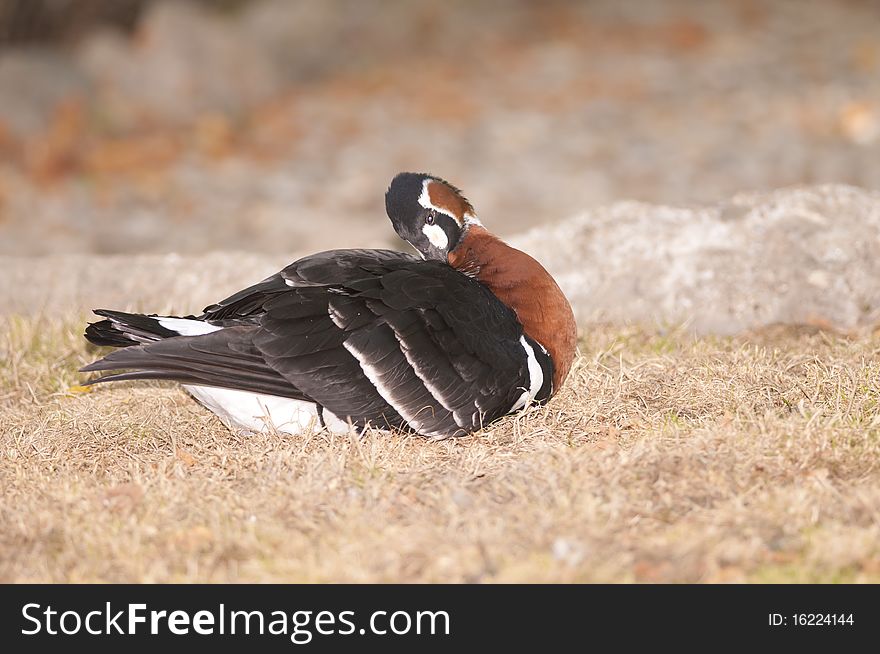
375,336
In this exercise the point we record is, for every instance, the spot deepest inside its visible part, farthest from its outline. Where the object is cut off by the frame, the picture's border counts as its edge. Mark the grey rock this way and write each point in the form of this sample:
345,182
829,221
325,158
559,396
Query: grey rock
56,284
807,255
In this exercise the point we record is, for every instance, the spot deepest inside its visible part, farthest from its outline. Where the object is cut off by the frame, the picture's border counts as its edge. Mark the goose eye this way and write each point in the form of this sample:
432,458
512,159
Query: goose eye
430,218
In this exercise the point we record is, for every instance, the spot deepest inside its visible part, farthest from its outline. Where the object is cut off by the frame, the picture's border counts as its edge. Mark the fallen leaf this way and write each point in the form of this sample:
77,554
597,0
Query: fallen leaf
185,456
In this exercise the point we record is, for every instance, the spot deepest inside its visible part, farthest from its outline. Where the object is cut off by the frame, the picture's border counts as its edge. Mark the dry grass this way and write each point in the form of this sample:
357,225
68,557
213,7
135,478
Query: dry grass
664,459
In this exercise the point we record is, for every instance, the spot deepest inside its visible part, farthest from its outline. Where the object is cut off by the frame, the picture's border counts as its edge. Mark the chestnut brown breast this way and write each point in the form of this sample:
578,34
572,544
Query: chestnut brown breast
526,287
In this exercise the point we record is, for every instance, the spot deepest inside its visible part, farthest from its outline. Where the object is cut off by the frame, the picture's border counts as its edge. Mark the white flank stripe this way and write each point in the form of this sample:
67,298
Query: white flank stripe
386,393
429,385
335,316
186,327
536,376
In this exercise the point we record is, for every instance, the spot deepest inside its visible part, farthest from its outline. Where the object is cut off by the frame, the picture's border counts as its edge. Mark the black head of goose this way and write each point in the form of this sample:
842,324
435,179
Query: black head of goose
441,344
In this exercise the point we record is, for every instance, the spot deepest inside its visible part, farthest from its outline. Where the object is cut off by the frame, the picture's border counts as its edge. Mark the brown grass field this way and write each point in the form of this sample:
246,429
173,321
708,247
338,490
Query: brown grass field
665,458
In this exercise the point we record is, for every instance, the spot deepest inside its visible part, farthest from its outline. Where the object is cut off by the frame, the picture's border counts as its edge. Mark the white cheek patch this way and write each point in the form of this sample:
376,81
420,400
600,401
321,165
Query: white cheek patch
436,235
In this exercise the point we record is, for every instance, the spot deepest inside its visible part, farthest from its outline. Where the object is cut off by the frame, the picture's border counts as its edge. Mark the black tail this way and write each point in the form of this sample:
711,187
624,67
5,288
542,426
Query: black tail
124,329
225,358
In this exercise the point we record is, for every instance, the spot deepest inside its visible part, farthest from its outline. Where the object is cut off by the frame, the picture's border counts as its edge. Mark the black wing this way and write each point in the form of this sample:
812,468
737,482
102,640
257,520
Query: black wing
375,336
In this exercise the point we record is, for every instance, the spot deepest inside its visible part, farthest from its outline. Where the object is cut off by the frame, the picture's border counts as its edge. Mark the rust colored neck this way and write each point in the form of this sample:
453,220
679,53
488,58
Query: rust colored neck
526,287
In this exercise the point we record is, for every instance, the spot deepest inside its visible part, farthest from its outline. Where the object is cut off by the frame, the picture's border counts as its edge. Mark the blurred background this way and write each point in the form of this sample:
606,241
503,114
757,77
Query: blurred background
276,125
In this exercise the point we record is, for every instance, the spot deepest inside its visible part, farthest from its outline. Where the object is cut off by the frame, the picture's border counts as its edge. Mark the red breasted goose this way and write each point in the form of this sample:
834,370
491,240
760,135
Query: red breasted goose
441,344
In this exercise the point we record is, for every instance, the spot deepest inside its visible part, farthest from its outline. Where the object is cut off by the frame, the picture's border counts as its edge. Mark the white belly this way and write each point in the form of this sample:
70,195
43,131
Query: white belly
265,413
